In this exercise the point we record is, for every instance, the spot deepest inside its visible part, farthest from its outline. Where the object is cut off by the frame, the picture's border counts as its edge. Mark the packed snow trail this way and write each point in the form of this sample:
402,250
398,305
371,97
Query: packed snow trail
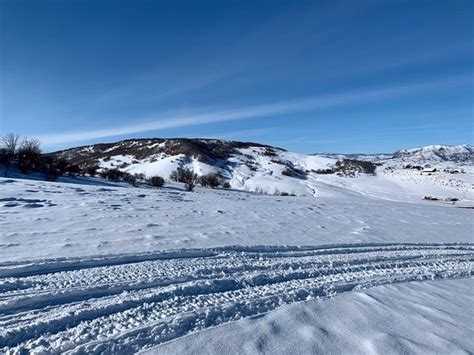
126,303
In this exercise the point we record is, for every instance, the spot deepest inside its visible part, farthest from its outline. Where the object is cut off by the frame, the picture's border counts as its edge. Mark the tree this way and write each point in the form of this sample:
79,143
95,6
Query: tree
32,144
7,152
29,155
10,143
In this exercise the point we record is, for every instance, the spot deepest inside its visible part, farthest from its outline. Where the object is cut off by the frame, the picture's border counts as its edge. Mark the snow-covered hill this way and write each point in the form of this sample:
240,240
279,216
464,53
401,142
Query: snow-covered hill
438,153
271,170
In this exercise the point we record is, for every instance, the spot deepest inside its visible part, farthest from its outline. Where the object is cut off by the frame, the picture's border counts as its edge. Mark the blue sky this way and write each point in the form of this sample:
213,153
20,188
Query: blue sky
309,76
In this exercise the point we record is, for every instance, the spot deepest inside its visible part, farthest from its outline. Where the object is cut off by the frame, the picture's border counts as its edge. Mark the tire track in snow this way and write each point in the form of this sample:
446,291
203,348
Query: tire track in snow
125,303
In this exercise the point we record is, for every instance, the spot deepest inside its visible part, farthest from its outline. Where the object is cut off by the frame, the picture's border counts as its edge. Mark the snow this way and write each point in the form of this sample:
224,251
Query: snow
349,265
436,152
406,185
51,219
157,166
126,303
432,317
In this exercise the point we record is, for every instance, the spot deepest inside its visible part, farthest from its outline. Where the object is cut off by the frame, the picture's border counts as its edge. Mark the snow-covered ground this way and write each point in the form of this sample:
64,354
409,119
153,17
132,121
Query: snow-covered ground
123,304
89,266
50,220
432,317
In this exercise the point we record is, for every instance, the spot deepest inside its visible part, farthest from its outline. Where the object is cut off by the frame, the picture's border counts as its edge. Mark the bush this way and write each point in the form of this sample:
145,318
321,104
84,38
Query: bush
5,157
186,176
189,186
53,168
111,174
117,175
156,181
140,176
277,192
269,152
226,185
325,171
211,180
183,175
29,155
174,175
350,167
73,170
129,178
91,170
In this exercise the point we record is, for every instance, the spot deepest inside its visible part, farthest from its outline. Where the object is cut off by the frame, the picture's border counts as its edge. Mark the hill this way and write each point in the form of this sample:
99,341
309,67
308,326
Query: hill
272,170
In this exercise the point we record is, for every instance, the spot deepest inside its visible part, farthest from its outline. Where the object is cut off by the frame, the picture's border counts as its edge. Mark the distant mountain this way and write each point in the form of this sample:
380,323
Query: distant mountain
438,153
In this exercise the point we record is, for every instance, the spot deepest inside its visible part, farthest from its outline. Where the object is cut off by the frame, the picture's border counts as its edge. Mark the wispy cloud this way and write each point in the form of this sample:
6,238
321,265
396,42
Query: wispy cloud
161,121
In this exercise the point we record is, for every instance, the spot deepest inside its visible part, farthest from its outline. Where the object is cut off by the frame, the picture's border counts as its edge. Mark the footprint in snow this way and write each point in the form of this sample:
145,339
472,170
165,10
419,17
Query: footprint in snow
5,199
33,205
149,225
11,204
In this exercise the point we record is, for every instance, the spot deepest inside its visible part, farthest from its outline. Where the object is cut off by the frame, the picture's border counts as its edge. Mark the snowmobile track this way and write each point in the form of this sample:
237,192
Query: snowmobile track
124,303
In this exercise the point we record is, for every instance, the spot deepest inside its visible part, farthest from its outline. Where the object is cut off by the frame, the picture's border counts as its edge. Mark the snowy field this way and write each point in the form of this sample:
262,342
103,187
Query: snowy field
51,220
94,267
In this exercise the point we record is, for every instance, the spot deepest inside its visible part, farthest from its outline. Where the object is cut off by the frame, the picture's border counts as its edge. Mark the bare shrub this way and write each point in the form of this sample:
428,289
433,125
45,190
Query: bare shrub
174,175
211,180
189,186
111,174
129,178
156,181
53,168
188,177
